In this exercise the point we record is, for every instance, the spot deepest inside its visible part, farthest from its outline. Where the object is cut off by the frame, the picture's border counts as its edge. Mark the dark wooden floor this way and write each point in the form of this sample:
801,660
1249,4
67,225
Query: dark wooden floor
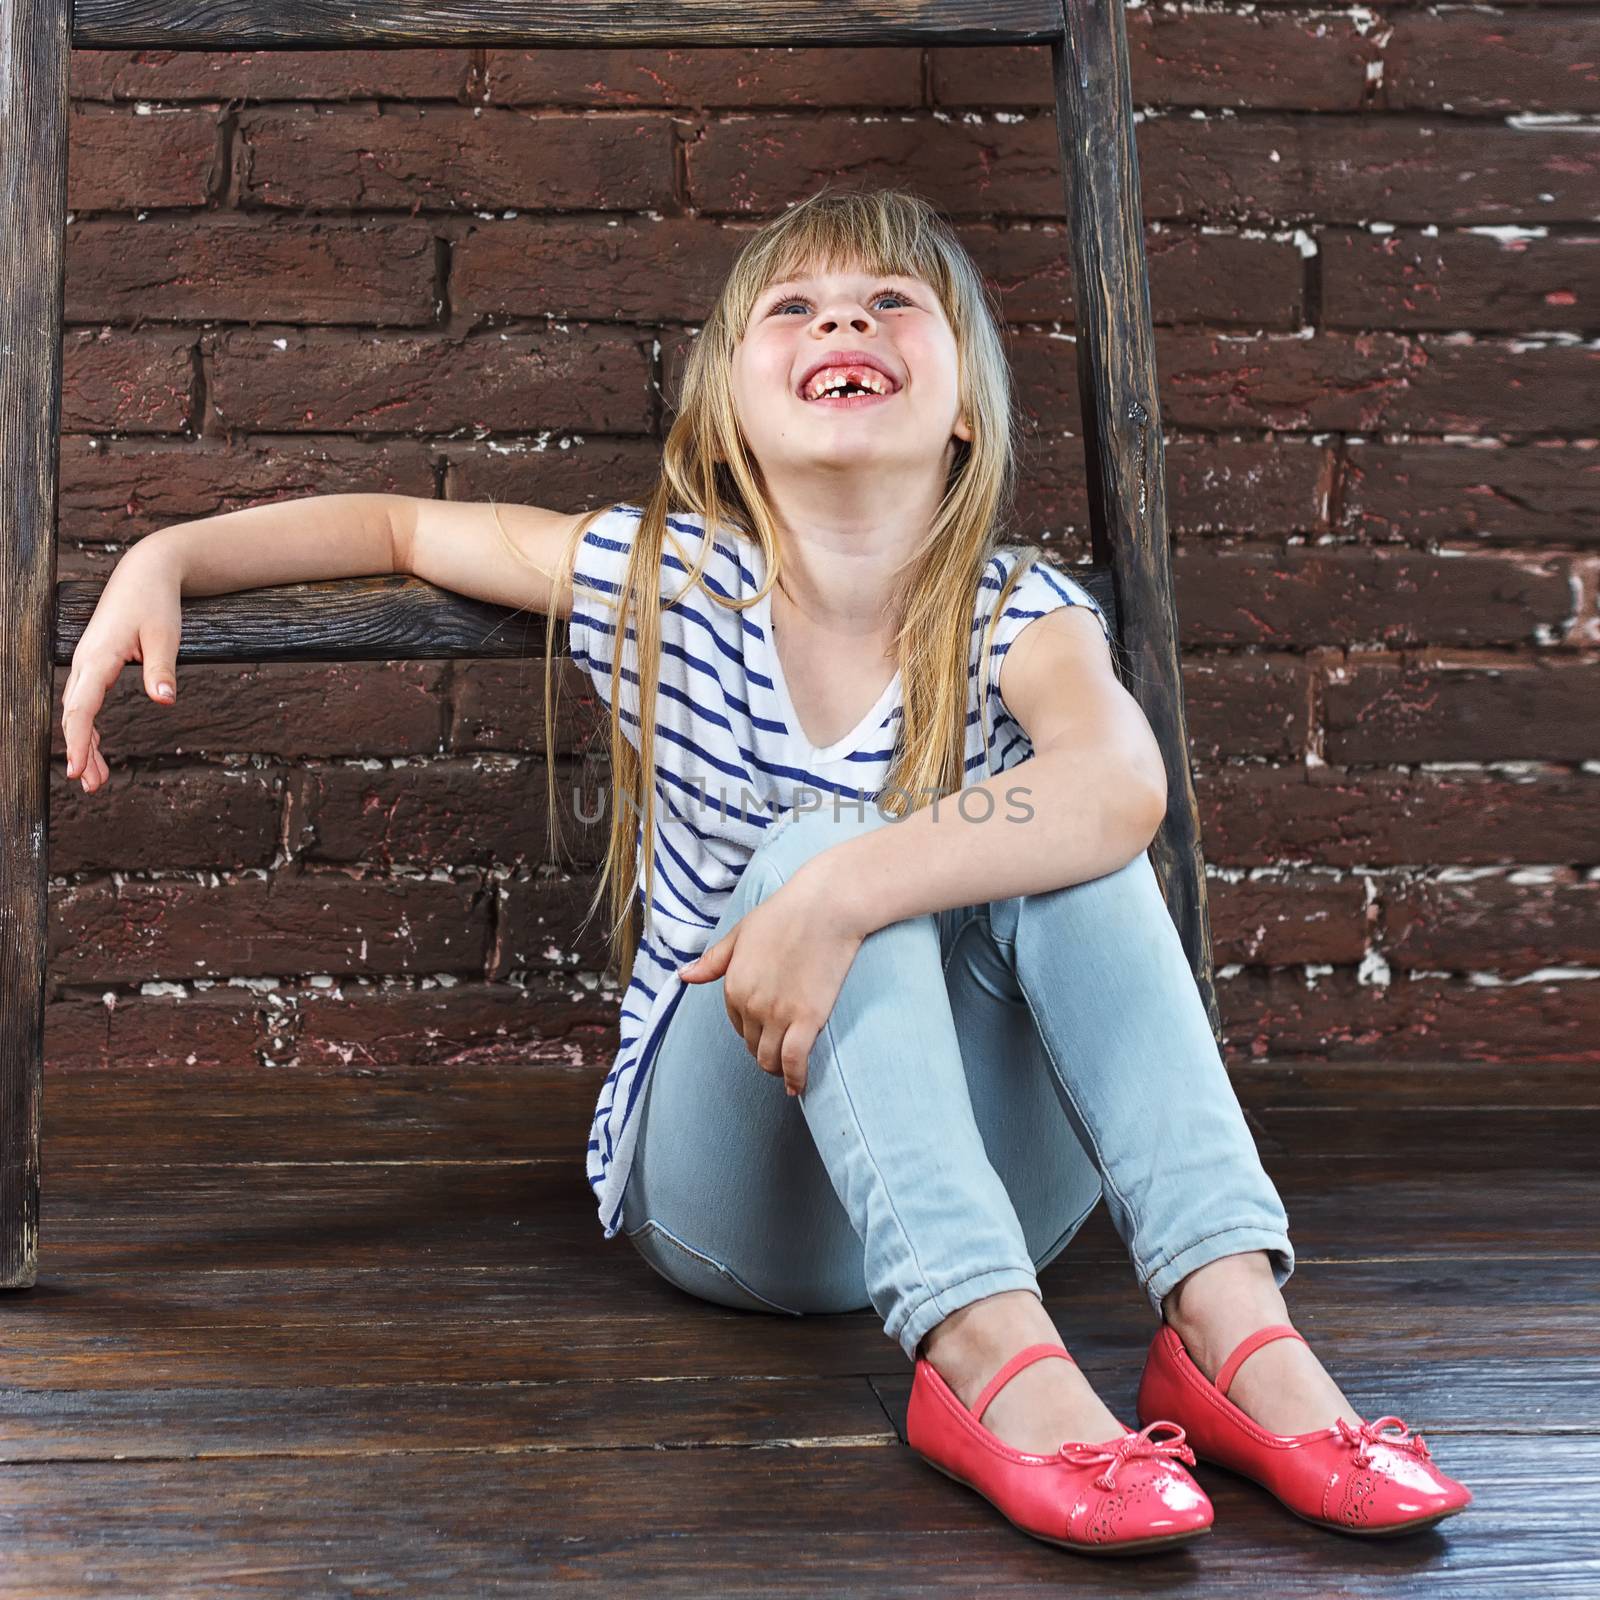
357,1335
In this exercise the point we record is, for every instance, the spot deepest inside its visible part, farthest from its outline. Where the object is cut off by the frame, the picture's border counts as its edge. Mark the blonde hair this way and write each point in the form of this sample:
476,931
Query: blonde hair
706,469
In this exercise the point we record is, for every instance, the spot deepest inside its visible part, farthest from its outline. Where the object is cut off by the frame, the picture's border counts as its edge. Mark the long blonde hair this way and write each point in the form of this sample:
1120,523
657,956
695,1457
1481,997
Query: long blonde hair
706,469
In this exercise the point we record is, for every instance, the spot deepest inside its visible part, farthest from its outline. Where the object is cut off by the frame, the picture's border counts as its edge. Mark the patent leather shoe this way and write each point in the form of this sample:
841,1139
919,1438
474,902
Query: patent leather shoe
1364,1478
1121,1497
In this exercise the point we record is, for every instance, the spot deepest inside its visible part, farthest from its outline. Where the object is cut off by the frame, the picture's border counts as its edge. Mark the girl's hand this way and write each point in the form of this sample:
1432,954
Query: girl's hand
138,618
782,966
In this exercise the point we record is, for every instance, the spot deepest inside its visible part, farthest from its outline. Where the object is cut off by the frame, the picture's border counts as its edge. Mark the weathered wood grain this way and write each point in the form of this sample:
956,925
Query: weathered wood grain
384,618
801,1521
34,56
1125,457
551,24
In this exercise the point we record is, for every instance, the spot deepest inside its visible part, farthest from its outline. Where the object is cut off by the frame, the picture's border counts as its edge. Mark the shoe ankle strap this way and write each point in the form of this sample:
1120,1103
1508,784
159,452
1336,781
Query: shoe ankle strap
1248,1346
1023,1358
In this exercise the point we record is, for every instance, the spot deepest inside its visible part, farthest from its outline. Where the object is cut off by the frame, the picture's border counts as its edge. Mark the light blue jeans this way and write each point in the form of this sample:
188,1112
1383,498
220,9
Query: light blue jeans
987,1075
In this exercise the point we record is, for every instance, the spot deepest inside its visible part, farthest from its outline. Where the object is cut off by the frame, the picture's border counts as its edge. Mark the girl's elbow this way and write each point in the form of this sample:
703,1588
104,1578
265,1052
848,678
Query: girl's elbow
1147,804
1134,753
1157,814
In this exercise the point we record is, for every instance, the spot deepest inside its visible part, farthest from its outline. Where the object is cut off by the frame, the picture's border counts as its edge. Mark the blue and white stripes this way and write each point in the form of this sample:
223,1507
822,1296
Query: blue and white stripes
731,760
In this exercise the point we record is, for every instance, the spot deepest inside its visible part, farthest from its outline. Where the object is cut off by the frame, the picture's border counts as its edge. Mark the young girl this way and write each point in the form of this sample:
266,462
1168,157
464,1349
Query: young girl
887,824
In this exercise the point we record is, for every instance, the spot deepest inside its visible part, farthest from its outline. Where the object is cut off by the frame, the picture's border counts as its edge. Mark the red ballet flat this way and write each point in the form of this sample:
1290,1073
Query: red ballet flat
1362,1478
1121,1497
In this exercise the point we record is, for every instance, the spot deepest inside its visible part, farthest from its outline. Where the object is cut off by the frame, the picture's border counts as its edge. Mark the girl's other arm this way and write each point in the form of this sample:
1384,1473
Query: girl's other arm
1090,798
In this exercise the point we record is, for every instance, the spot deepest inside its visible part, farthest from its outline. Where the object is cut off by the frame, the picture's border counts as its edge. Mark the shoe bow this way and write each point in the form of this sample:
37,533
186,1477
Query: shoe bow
1371,1433
1130,1447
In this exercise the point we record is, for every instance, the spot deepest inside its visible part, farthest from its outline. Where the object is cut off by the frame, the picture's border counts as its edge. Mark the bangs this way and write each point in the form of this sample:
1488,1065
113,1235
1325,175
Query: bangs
870,234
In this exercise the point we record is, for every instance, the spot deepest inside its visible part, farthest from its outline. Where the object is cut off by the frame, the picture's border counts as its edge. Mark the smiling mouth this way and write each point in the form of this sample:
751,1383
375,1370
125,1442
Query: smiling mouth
850,401
850,397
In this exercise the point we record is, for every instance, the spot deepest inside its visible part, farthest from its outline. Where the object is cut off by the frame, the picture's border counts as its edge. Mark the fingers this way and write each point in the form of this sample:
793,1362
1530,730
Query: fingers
158,649
795,1055
93,767
783,1050
750,1030
85,693
709,964
80,702
781,1046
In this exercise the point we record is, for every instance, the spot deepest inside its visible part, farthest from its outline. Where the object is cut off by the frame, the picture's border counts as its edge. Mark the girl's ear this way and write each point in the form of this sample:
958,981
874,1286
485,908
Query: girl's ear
963,431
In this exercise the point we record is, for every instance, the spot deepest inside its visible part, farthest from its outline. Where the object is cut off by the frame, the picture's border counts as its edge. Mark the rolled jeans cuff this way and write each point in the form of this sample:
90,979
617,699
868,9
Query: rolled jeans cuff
931,1311
1225,1242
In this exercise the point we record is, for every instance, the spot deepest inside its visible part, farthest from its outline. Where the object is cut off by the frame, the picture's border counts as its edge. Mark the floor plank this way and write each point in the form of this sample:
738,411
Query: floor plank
390,1214
872,1520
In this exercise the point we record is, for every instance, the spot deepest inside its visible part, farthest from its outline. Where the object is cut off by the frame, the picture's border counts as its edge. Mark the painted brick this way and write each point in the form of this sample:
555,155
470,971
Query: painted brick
1551,921
178,930
125,382
192,819
1544,492
399,382
1254,815
258,75
1463,706
122,489
1349,595
1476,62
886,75
183,270
121,161
1500,280
1398,168
1246,705
284,710
1287,918
477,811
452,158
1280,1015
1256,57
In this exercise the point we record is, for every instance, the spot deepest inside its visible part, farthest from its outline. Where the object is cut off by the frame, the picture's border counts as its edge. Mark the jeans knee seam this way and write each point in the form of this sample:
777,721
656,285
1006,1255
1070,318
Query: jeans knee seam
894,1210
1066,1089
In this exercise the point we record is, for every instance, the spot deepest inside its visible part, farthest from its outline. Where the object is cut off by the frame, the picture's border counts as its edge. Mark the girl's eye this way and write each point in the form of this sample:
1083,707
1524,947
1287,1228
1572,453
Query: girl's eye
800,300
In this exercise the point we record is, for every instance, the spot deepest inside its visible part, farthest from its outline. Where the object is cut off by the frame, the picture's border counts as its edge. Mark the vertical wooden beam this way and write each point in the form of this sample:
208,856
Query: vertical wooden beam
35,55
1122,426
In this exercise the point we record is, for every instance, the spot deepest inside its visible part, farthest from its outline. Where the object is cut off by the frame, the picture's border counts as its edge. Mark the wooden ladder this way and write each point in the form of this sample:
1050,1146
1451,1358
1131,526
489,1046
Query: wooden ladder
392,617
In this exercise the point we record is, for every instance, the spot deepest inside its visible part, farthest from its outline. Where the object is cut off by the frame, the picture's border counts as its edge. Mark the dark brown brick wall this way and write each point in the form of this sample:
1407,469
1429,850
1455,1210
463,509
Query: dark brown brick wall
1373,263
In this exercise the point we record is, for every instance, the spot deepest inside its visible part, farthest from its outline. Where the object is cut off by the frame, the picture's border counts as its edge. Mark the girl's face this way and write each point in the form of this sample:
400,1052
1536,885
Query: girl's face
801,321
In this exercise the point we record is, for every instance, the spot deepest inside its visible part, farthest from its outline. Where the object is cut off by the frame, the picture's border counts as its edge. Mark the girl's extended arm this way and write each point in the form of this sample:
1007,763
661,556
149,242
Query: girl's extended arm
308,540
312,539
139,614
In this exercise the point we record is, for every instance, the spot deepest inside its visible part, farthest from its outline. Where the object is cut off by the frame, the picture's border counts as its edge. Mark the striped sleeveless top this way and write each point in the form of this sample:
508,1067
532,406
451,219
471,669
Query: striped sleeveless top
731,758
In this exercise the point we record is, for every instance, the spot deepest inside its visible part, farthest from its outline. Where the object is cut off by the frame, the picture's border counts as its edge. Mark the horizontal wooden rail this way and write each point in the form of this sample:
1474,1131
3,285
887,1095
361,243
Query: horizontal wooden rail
384,618
554,24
